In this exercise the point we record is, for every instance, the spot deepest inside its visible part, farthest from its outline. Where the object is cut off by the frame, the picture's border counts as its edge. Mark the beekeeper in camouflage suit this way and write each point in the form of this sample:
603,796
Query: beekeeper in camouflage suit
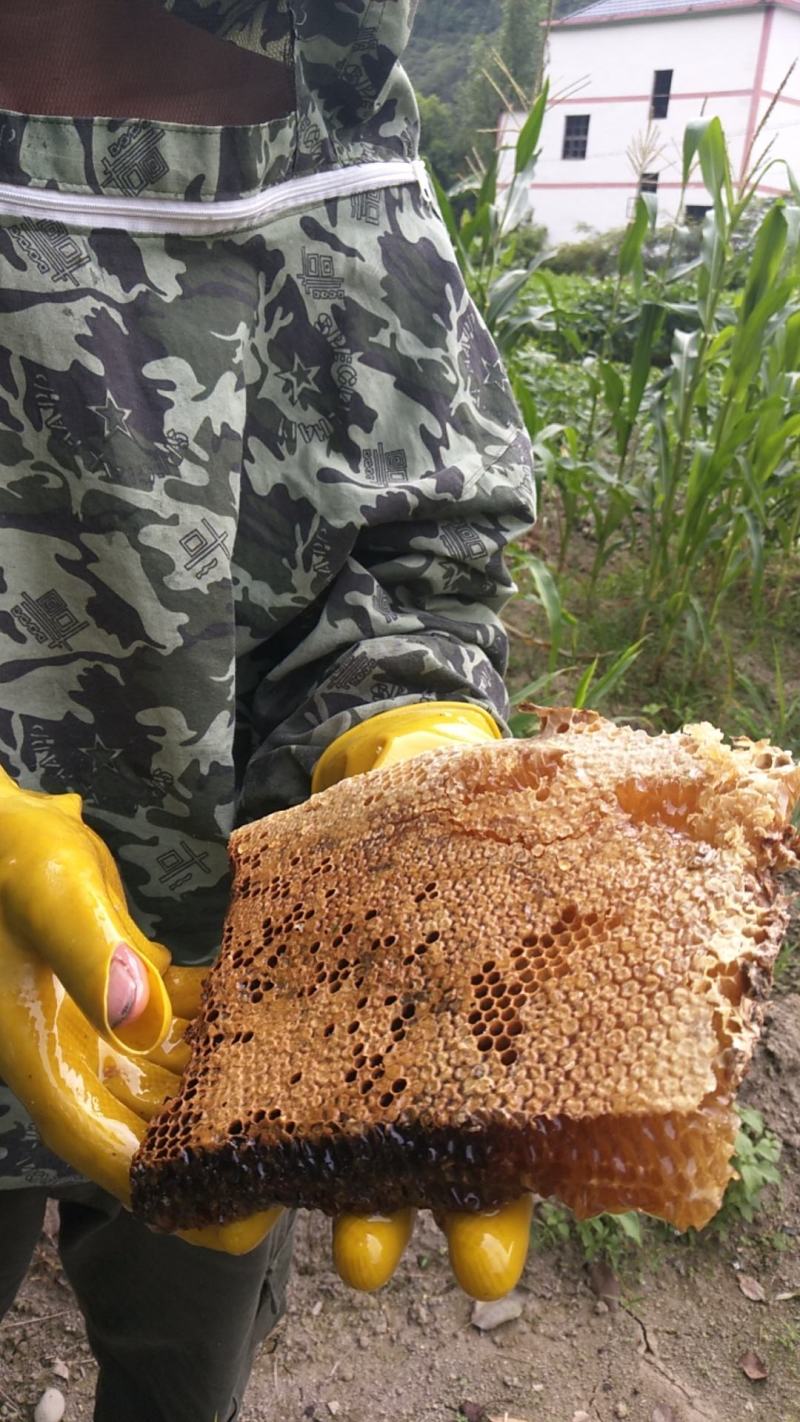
260,462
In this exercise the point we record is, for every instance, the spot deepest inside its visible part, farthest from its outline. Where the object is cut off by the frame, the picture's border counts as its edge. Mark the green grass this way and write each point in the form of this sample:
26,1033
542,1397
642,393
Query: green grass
747,680
621,1239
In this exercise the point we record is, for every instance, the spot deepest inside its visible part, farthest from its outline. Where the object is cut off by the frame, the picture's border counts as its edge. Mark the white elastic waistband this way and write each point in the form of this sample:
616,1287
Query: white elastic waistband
200,219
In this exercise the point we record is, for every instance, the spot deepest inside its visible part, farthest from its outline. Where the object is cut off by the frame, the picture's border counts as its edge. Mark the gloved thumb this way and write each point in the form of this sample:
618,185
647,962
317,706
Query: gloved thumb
66,906
128,990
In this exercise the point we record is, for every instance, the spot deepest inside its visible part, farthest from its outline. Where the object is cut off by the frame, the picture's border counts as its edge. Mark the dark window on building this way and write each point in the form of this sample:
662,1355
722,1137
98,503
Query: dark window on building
648,183
695,212
576,136
662,86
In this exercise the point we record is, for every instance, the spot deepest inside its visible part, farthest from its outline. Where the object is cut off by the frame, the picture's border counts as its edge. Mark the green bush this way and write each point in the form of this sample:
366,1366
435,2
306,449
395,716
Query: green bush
666,245
525,246
595,255
590,315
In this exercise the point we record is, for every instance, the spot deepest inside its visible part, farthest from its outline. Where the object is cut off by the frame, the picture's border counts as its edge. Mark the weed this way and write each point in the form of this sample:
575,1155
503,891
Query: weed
770,712
787,959
552,1225
755,1161
788,1337
776,1241
607,1237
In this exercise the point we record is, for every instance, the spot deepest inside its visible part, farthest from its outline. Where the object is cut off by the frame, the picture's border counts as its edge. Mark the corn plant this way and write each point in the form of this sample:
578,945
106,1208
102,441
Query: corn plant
681,454
482,235
721,489
727,415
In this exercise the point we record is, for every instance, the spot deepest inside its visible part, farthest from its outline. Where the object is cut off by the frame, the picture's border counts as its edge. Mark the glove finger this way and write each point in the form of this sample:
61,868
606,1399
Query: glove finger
368,1248
63,906
44,1060
128,989
135,1081
50,1058
488,1250
154,953
237,1238
173,1053
185,989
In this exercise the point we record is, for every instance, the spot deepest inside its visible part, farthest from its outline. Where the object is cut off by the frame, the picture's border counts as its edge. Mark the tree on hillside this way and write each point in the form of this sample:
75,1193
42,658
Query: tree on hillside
521,42
497,76
437,59
442,139
437,18
438,54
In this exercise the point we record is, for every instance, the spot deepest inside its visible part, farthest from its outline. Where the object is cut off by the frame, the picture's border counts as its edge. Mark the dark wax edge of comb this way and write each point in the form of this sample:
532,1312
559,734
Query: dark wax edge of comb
385,1169
462,1167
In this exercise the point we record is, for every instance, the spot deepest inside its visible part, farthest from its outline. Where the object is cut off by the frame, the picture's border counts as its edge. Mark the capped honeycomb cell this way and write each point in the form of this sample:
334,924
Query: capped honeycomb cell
530,965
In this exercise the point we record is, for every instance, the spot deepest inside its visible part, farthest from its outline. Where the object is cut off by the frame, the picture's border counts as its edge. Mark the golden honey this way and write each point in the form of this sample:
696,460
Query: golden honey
513,967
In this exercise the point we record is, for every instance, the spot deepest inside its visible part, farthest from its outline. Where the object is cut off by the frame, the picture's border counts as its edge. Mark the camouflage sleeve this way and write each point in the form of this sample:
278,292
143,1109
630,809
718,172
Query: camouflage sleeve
410,524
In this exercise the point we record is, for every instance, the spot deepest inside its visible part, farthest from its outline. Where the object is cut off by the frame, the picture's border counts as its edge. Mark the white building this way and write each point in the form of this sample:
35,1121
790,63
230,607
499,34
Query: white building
626,76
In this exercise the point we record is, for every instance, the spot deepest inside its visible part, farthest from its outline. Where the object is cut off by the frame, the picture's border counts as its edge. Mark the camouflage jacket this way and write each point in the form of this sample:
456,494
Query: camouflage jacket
259,459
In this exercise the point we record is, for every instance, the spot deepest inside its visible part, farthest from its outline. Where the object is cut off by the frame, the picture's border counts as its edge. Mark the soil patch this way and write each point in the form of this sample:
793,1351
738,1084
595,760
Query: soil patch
669,1352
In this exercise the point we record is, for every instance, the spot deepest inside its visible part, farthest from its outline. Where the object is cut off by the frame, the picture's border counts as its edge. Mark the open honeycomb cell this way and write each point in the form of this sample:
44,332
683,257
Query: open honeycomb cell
532,965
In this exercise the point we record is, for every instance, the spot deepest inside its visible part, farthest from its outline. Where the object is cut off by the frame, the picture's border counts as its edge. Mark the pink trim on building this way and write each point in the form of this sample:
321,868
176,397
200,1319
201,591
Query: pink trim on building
633,186
758,84
754,60
575,100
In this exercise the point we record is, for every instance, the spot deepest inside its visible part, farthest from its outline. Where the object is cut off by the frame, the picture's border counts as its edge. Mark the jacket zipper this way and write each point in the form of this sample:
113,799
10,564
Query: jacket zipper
202,219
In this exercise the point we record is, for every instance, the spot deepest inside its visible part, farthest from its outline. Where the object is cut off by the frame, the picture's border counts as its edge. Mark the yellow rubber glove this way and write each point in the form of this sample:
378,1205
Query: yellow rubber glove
399,735
67,945
487,1250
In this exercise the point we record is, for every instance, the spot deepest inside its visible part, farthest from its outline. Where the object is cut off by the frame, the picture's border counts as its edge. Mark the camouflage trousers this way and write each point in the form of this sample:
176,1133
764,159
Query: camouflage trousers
174,1328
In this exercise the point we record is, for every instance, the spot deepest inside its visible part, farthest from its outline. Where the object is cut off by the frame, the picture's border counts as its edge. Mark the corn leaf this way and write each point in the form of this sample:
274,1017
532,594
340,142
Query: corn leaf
630,253
550,598
611,678
530,133
449,219
649,323
766,260
715,167
582,689
692,134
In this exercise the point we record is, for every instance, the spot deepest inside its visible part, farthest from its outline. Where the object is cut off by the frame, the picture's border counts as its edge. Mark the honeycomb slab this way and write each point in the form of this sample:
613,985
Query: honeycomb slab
533,965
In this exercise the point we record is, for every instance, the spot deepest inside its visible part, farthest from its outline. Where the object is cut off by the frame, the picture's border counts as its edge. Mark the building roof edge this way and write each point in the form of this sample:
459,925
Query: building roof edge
633,11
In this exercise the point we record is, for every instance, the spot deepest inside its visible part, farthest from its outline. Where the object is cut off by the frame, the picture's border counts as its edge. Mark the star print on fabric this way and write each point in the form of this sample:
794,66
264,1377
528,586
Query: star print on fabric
300,380
108,754
115,417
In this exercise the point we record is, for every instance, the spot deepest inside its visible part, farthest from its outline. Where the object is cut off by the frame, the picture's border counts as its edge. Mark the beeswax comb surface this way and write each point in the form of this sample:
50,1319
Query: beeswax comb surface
530,965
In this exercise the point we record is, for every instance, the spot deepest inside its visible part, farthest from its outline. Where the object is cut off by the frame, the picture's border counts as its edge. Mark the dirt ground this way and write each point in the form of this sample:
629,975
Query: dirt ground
668,1353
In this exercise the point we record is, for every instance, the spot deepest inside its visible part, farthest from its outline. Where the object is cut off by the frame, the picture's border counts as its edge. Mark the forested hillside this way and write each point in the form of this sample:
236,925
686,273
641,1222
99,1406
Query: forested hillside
440,53
469,58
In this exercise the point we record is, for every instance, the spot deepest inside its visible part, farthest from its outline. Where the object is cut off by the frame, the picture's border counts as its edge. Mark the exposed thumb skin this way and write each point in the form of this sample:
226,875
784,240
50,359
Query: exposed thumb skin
128,991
